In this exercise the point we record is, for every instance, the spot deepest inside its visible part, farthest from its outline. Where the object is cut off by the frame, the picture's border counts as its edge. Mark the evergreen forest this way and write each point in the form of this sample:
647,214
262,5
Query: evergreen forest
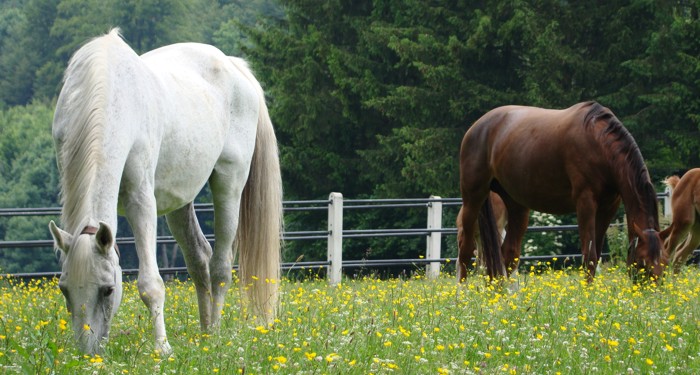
369,98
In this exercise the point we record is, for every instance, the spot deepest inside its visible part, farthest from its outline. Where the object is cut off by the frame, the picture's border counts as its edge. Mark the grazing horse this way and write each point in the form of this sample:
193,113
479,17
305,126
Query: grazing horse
579,159
140,136
682,237
499,210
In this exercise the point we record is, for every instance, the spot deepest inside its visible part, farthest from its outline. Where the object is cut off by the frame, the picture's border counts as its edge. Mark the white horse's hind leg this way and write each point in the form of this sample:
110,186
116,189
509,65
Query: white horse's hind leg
185,228
142,219
226,190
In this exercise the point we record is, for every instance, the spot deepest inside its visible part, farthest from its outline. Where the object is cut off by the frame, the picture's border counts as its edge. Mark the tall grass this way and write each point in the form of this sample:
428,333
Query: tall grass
549,322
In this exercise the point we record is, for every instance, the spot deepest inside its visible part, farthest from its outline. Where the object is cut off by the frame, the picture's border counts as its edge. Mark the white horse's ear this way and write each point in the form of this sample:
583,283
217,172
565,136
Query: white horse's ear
104,238
61,238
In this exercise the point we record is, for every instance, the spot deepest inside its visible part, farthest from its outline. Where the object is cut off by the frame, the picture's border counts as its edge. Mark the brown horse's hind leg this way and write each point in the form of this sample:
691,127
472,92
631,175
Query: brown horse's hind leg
518,217
466,241
678,235
684,221
691,243
683,252
474,179
677,241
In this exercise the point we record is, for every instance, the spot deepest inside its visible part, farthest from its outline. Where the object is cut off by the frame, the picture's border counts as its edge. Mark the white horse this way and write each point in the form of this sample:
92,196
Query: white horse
141,136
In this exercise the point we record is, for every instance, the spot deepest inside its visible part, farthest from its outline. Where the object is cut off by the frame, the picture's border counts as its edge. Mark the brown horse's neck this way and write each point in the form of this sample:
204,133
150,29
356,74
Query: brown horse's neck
639,197
627,165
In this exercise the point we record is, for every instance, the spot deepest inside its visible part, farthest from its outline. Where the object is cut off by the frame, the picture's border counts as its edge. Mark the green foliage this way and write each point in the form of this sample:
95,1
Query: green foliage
43,34
239,15
618,244
27,168
417,73
419,150
147,25
664,94
543,243
28,178
17,63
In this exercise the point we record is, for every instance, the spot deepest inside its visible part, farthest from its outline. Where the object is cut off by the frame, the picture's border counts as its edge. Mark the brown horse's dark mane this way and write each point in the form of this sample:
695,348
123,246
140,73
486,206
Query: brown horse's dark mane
625,154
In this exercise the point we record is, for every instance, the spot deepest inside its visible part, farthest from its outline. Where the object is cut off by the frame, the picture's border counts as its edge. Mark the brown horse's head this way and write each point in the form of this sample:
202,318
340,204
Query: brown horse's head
646,259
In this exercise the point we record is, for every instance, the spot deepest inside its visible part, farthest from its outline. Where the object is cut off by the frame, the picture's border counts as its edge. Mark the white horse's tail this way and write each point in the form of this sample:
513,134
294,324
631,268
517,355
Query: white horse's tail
258,240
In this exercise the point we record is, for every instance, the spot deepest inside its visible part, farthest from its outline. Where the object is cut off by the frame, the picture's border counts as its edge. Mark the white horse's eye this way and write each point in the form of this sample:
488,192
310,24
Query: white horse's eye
107,291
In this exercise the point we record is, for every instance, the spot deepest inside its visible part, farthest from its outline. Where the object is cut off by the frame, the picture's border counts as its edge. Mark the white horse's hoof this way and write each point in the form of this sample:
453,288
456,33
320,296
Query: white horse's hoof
163,348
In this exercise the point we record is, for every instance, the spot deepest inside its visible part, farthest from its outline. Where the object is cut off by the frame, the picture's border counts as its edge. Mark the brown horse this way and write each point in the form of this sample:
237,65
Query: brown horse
579,159
683,235
499,211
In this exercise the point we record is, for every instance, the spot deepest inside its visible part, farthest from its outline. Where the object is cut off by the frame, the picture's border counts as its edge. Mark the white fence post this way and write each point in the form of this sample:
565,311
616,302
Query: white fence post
335,238
434,238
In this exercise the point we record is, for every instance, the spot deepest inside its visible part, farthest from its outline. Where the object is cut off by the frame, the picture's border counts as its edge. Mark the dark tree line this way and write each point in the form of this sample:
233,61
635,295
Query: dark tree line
374,96
371,98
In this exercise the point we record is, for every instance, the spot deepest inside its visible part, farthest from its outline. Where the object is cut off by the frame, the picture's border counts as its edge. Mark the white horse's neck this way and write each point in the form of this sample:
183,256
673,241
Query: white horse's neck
85,142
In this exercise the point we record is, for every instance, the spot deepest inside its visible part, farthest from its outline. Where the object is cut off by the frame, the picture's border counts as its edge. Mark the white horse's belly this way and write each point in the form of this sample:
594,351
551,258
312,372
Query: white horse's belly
189,150
184,167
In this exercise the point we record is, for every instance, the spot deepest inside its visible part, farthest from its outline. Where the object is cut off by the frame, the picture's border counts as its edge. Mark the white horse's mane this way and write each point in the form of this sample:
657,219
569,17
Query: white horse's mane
81,258
78,147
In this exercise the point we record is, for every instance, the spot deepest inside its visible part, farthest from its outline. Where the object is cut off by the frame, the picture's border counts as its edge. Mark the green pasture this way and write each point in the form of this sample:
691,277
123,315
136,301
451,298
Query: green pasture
549,322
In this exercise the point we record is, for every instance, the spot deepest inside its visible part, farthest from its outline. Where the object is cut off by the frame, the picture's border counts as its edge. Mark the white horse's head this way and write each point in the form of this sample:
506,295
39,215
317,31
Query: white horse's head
91,282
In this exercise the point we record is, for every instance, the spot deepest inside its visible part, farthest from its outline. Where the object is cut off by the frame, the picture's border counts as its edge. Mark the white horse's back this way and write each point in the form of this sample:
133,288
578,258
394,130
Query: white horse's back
212,110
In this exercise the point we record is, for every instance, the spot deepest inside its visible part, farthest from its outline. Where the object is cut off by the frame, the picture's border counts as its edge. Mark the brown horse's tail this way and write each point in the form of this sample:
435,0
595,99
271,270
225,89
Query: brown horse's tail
490,241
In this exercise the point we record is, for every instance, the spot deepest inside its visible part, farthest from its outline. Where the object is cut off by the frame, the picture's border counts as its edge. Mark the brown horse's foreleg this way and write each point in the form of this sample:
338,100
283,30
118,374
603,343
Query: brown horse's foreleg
518,217
590,255
585,215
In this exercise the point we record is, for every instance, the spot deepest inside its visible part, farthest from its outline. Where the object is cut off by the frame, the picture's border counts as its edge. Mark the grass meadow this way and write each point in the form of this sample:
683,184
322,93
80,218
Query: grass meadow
544,322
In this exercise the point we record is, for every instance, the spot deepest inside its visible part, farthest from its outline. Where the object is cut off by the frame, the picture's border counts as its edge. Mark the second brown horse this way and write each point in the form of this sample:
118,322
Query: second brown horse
580,159
683,235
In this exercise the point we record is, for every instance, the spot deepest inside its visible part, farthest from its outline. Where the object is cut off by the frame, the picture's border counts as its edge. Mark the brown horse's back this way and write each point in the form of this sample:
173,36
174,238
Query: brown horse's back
531,153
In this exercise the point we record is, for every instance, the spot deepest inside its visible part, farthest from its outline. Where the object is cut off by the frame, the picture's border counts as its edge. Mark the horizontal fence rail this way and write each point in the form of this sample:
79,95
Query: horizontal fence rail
334,235
309,205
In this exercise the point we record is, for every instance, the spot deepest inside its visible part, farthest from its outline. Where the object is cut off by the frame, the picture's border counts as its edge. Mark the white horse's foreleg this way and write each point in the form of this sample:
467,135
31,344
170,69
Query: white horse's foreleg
226,212
142,219
185,228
